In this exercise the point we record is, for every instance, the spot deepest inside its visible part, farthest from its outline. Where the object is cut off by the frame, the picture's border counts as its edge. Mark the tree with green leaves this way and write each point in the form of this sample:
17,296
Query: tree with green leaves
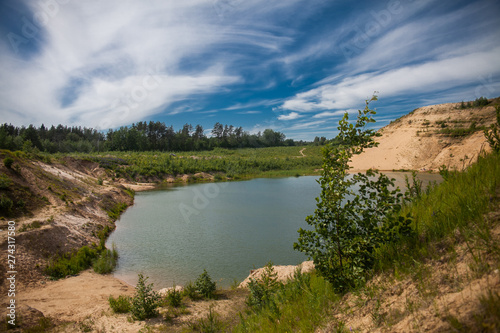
355,213
492,133
145,301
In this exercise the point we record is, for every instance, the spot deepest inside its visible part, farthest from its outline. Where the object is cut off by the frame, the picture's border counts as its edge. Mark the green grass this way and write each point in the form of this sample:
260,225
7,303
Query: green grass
226,163
455,207
120,304
71,264
115,211
301,305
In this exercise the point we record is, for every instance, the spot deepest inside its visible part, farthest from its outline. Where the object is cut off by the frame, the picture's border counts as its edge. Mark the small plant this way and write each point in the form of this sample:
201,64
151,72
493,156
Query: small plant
120,304
115,211
145,301
492,134
71,263
174,297
32,225
190,291
205,286
5,204
262,289
106,262
8,161
210,324
99,181
489,317
5,182
235,284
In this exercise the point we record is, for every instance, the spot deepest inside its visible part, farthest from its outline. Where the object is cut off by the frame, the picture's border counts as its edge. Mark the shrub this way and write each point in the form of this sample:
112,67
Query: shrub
262,289
8,161
205,286
481,101
71,264
492,134
106,262
5,182
145,301
120,304
190,291
5,204
174,297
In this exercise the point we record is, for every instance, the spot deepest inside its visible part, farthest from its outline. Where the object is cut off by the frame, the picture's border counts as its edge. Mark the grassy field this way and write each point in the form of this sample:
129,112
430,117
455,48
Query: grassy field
222,163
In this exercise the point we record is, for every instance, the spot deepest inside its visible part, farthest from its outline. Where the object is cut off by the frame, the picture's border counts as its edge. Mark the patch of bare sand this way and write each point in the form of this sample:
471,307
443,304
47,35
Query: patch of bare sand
80,298
283,272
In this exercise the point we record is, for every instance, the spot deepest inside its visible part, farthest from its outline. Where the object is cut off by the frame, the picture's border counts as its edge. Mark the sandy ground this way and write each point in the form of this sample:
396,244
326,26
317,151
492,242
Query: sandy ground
82,301
283,273
413,142
75,298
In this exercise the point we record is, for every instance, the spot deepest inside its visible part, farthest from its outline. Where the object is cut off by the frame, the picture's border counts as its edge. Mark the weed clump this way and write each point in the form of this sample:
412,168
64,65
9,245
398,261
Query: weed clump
8,161
106,262
120,304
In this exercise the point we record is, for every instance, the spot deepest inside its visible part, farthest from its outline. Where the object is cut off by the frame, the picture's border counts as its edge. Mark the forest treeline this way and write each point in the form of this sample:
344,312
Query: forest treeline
142,136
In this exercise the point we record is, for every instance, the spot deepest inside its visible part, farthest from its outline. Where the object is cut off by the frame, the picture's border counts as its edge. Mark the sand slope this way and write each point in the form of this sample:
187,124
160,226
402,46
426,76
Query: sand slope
414,142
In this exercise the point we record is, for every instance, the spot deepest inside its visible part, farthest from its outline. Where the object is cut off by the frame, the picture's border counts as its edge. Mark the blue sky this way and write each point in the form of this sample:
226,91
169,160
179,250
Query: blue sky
294,66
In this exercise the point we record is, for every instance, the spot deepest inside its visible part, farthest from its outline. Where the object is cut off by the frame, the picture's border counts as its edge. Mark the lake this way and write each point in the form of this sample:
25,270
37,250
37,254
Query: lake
228,228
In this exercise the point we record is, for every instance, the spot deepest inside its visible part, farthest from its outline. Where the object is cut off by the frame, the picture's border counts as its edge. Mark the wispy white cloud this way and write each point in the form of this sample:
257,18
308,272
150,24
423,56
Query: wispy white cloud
250,112
427,77
290,116
115,62
328,114
307,125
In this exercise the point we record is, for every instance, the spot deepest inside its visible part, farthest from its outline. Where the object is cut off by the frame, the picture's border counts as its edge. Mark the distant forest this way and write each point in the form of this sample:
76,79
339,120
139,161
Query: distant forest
143,136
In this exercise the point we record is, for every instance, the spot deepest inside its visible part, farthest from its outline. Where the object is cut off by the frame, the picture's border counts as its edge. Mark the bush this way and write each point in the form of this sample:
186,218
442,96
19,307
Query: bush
492,133
5,182
71,264
106,262
174,297
8,161
481,101
190,291
5,204
120,304
262,289
205,286
145,301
